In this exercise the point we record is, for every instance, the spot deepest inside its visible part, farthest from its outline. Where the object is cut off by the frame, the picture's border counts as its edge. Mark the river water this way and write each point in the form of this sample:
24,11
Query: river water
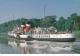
15,46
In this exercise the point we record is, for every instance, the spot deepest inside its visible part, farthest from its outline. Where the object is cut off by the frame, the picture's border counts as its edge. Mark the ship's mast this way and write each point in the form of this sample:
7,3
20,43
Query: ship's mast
45,6
44,10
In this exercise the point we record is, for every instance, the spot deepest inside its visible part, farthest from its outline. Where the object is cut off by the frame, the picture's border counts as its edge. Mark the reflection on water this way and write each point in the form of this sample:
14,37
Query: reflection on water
41,47
5,49
15,46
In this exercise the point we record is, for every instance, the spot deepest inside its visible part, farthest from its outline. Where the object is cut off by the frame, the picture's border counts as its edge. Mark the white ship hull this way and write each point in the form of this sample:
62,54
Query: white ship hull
54,37
47,37
12,34
16,36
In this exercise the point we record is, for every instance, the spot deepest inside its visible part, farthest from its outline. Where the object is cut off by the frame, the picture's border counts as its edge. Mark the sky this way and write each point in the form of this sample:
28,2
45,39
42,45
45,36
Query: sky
13,9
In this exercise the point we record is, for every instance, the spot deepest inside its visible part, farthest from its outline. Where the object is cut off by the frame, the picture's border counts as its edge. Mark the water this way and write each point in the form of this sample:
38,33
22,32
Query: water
52,48
6,49
14,46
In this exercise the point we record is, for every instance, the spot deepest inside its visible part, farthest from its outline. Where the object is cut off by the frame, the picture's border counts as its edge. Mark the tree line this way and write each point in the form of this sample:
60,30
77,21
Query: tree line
69,24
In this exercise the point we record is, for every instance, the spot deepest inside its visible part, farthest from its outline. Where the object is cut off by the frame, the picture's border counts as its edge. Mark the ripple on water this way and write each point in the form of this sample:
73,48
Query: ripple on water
5,49
41,47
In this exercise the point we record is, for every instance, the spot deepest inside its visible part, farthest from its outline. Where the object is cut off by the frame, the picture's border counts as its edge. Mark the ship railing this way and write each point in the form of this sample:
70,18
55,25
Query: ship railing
41,35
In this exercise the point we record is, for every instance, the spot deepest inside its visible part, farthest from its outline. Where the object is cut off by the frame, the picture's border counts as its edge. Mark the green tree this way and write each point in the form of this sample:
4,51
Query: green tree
48,21
61,24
